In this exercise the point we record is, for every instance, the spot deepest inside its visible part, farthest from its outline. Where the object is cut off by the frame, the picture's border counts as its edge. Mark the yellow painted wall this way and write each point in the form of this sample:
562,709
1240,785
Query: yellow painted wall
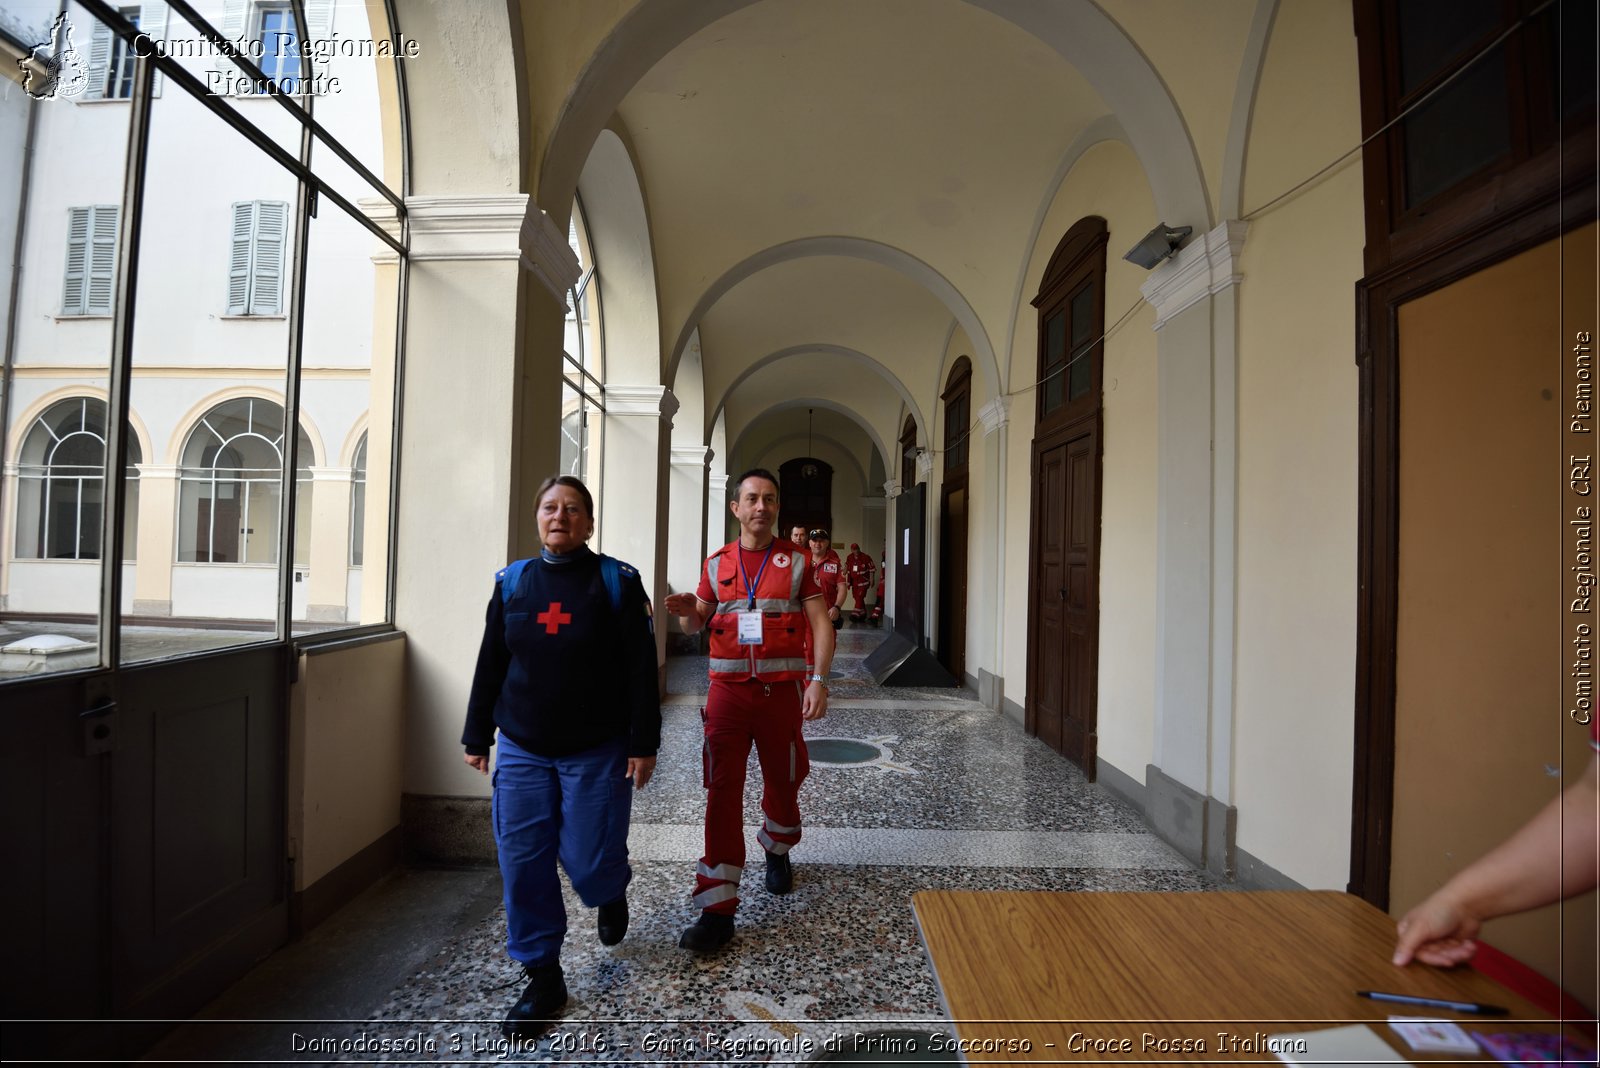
1171,33
1298,448
1108,182
346,743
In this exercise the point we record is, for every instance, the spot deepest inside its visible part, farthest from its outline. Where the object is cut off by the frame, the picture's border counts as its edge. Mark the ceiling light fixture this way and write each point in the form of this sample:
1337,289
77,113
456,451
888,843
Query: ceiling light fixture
1157,245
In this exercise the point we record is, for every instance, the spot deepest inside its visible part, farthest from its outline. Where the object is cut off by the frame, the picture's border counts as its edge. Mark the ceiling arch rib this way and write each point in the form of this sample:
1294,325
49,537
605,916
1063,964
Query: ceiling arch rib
800,351
876,252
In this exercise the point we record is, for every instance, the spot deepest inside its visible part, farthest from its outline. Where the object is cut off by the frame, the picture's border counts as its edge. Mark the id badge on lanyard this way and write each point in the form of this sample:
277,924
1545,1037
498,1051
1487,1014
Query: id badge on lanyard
750,620
750,628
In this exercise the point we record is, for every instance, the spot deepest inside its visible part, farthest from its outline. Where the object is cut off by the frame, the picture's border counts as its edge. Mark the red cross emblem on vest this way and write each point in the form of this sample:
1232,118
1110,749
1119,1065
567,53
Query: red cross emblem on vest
553,617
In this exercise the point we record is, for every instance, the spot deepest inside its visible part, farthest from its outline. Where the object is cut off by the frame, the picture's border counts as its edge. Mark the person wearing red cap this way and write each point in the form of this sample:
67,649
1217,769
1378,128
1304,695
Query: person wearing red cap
858,570
829,575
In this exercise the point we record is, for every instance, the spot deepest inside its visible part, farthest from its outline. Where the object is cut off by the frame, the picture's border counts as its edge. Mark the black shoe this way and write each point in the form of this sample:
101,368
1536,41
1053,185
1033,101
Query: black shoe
780,873
710,932
612,919
541,999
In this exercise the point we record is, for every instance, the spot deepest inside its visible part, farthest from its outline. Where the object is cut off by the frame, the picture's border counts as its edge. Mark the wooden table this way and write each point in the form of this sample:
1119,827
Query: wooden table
1147,977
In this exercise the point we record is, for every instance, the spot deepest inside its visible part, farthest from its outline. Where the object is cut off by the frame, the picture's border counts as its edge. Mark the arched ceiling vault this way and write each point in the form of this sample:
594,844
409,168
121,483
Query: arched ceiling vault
759,420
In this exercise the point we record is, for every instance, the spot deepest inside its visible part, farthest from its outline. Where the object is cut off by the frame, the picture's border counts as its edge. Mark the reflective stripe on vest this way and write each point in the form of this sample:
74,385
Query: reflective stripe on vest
781,656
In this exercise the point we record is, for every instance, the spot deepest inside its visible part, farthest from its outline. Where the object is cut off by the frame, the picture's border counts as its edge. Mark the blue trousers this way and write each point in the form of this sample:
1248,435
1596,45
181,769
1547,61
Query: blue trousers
574,808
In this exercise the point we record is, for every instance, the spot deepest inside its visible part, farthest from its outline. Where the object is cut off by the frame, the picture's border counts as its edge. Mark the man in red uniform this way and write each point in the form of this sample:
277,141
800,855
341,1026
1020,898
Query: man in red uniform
797,534
858,572
825,568
759,597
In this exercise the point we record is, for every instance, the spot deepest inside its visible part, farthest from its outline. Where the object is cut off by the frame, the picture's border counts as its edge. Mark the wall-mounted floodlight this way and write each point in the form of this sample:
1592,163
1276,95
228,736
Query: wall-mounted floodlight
1157,245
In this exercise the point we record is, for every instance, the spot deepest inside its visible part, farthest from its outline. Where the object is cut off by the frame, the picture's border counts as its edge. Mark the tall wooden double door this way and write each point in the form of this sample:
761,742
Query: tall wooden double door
1064,593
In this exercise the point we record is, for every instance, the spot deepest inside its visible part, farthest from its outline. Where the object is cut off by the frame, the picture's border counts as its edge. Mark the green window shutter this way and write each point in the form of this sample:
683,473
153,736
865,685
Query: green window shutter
99,60
102,260
266,264
239,259
77,260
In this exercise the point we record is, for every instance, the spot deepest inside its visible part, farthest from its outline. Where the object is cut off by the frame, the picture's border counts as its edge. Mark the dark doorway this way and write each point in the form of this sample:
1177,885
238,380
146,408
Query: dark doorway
1064,579
953,520
909,511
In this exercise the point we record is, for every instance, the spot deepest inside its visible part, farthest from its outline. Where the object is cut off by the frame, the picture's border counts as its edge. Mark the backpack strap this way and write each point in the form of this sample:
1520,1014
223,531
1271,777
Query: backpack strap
611,570
509,577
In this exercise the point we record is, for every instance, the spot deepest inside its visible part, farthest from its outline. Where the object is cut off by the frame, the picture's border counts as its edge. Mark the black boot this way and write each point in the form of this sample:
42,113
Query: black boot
710,932
612,920
780,873
541,999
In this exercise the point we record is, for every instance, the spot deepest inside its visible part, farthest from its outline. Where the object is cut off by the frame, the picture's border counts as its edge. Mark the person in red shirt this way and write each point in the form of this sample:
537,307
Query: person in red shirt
758,596
829,573
858,570
797,534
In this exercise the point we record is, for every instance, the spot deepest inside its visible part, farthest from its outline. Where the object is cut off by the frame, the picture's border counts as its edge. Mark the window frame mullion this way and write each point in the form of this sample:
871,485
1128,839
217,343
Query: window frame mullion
125,279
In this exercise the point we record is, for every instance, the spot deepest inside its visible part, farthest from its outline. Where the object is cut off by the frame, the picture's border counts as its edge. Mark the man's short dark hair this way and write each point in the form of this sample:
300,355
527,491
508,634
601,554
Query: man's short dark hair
754,472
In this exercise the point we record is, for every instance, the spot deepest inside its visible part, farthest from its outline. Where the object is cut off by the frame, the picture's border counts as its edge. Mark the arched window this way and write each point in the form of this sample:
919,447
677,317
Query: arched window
957,417
908,454
1072,311
61,484
231,486
358,502
583,385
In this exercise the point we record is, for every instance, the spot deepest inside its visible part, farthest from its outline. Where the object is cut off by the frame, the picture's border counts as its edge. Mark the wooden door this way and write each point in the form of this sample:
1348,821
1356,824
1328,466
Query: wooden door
1063,655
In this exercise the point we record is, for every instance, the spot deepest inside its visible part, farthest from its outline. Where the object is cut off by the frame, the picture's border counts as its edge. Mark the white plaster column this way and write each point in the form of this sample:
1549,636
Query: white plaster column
1195,299
716,511
155,539
380,419
994,417
483,352
686,532
634,489
330,544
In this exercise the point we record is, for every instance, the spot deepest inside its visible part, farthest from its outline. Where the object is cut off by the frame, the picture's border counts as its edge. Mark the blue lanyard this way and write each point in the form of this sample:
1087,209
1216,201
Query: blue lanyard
749,587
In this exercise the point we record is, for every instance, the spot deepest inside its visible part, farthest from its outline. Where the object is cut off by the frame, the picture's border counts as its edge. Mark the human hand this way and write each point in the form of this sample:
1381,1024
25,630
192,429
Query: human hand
680,604
479,764
1436,932
814,705
639,770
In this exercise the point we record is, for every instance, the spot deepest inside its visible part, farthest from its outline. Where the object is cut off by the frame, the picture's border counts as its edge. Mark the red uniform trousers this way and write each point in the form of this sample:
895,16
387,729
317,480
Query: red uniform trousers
736,714
860,590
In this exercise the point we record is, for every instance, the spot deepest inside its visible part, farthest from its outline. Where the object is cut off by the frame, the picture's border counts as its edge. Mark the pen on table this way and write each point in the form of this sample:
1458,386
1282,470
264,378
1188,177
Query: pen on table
1477,1008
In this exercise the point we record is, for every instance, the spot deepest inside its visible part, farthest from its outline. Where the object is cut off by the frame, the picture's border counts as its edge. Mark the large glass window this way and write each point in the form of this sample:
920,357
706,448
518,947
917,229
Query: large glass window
240,232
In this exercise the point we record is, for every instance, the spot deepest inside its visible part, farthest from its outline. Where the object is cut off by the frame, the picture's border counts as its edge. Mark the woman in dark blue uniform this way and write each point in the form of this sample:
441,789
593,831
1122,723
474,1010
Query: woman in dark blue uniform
567,673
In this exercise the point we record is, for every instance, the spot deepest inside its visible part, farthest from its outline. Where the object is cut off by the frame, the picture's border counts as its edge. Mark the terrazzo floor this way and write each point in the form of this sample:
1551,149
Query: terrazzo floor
956,796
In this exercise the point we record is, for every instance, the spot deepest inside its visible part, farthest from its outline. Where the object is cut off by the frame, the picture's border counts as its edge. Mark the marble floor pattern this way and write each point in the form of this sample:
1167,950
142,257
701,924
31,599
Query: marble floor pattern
957,797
